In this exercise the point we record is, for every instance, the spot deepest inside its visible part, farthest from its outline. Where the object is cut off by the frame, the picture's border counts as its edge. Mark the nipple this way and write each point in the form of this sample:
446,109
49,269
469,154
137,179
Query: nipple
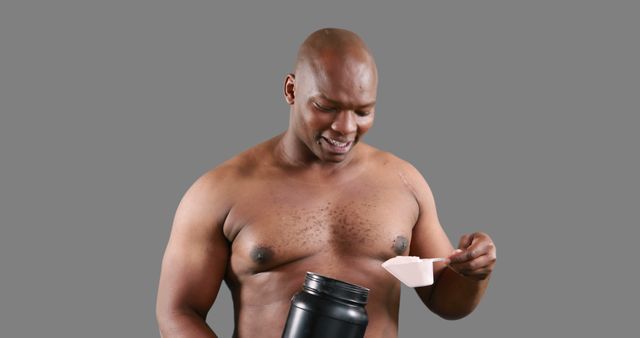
261,254
400,244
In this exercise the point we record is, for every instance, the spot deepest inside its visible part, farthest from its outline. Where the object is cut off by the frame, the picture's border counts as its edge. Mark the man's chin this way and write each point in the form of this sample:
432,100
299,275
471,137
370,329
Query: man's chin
336,157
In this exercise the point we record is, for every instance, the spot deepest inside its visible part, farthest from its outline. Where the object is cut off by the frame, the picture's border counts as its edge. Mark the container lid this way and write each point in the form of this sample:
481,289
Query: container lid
336,288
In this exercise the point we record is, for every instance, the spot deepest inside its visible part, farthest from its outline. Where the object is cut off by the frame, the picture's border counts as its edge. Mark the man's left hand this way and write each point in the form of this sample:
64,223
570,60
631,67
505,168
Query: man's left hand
475,256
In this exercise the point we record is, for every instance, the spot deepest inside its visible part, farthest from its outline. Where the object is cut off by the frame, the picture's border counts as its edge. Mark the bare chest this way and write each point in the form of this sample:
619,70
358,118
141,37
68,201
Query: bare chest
276,223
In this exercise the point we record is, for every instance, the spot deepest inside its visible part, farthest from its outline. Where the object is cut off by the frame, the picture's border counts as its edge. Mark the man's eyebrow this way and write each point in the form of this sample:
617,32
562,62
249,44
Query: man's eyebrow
334,102
338,103
370,104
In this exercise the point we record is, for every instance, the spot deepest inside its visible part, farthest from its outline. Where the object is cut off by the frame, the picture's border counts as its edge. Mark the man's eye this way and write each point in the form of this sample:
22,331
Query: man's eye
323,108
363,113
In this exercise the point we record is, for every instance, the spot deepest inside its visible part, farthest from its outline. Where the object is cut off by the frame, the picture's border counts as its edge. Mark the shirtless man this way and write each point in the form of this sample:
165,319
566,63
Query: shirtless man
314,198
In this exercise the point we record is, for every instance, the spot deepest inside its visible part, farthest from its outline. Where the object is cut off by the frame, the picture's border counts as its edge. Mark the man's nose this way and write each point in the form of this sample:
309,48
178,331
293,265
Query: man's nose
345,123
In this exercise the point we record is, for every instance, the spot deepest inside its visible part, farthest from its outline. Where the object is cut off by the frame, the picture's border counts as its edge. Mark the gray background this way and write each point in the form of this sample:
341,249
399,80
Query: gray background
522,115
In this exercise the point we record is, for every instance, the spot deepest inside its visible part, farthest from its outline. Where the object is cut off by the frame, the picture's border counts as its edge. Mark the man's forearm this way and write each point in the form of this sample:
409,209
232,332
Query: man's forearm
184,325
455,296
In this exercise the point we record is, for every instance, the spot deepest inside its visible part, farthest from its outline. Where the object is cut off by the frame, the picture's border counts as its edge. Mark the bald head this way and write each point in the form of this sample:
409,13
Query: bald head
333,46
332,94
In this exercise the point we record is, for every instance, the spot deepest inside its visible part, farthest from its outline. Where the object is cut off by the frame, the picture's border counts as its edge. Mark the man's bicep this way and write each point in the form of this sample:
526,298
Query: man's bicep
196,256
428,239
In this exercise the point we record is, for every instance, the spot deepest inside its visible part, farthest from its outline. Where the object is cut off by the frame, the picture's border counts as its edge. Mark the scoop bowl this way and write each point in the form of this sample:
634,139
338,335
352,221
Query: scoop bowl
411,270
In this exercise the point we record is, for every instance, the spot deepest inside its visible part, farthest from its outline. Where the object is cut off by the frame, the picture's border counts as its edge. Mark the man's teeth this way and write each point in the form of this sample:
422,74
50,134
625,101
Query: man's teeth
336,143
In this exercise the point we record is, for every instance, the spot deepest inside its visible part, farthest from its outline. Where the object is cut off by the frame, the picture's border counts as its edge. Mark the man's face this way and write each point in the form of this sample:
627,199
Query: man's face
333,107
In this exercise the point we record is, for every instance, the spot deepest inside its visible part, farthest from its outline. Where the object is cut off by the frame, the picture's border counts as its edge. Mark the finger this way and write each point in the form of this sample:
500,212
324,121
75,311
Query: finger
454,253
460,256
465,241
477,244
476,266
473,255
479,248
481,263
473,251
481,245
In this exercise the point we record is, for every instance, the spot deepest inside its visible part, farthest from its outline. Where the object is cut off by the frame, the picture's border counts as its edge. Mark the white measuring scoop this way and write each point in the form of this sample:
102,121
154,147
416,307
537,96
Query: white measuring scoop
411,270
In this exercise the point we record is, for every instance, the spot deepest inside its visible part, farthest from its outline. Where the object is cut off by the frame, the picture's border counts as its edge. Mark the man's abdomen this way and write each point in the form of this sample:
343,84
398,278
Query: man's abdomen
264,298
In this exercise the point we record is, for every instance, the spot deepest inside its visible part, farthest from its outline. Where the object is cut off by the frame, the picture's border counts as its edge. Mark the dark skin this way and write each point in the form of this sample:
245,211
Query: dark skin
314,198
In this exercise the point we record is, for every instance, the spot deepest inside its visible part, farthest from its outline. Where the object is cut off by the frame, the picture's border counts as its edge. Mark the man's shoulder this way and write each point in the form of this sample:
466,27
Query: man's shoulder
390,161
387,164
241,166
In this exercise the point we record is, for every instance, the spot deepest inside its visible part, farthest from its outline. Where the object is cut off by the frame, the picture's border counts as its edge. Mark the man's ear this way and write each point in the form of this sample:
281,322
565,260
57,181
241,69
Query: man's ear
289,85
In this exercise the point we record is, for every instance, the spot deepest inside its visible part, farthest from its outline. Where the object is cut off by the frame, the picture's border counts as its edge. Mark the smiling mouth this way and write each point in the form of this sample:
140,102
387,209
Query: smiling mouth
337,146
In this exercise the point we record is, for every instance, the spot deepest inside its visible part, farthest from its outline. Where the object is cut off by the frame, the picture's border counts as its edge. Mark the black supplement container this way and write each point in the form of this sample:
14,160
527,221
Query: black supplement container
327,308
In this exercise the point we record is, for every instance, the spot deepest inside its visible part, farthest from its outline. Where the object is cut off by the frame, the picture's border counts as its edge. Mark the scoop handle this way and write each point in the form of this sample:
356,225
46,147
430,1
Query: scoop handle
439,259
